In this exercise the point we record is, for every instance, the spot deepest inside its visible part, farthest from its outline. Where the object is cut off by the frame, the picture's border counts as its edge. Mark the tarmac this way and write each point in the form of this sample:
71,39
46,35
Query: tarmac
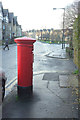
54,96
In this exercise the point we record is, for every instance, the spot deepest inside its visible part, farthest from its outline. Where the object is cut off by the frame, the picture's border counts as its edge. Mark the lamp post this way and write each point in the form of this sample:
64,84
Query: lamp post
63,41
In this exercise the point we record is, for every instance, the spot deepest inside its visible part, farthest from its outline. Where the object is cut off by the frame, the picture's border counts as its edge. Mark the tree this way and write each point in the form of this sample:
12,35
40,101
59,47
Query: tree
71,13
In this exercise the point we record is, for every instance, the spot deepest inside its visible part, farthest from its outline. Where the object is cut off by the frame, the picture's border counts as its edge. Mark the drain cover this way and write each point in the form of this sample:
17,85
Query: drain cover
51,76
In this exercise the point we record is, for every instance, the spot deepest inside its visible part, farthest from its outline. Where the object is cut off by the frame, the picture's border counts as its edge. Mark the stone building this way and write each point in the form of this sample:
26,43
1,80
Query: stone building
5,23
1,18
9,26
18,30
14,29
14,26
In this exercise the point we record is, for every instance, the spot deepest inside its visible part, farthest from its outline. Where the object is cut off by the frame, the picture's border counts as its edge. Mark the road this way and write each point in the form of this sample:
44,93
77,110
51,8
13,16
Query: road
41,64
9,62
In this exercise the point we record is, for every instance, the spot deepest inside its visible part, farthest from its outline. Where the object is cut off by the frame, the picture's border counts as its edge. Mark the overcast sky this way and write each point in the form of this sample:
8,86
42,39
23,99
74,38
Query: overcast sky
37,14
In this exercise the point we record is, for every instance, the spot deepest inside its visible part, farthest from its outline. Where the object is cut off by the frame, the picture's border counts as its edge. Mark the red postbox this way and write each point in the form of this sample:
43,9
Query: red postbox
25,65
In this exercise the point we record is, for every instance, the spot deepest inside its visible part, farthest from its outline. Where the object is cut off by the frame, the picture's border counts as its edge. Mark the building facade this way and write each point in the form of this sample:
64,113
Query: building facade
18,30
1,19
9,26
5,23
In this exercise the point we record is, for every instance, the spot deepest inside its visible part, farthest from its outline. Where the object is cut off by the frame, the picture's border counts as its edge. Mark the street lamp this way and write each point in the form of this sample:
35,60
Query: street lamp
63,41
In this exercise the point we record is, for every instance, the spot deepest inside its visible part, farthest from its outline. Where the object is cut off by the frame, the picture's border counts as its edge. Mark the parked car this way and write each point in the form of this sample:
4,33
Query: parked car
3,79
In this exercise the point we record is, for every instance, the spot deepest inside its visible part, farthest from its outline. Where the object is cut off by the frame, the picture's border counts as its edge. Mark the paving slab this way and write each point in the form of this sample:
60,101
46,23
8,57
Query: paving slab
68,81
0,112
59,54
44,103
51,76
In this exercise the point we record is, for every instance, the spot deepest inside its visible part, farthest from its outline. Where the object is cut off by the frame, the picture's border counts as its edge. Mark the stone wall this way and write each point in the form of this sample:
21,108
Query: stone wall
76,39
79,35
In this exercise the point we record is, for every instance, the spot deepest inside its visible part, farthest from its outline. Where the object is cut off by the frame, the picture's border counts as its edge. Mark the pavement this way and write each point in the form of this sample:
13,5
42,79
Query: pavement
55,95
59,53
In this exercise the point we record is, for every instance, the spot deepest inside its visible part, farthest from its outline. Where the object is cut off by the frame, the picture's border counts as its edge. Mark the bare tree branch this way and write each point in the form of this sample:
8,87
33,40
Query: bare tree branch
71,13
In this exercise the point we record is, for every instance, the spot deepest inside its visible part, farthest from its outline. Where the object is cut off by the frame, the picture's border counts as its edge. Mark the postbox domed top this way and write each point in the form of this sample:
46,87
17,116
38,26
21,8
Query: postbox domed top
25,40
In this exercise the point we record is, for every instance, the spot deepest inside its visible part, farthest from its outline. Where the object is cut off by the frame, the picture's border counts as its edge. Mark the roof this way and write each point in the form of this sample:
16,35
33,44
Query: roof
20,26
5,12
17,23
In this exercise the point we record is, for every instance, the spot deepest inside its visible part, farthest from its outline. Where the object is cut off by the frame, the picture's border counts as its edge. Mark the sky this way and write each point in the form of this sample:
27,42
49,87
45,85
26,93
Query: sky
37,14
